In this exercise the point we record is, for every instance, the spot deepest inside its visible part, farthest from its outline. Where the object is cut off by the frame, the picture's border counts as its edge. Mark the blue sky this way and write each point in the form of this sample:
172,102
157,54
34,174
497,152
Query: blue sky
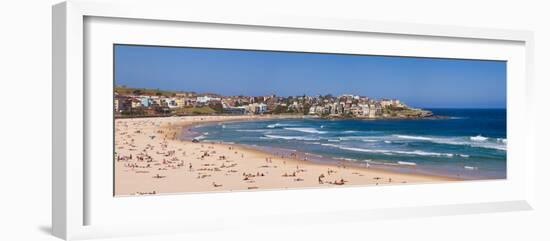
420,82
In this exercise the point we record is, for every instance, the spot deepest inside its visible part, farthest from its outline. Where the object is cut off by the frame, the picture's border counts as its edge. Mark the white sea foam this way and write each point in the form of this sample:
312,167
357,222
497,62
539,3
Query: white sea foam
423,153
473,141
201,136
470,168
350,132
380,163
390,152
502,140
278,125
496,146
369,140
331,145
478,138
406,163
423,138
302,138
253,130
351,138
306,130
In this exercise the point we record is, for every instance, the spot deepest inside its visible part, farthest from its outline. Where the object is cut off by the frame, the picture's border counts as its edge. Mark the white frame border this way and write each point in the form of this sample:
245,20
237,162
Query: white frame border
68,96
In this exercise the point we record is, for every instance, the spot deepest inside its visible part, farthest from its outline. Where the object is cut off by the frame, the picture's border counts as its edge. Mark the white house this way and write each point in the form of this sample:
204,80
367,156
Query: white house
257,108
206,99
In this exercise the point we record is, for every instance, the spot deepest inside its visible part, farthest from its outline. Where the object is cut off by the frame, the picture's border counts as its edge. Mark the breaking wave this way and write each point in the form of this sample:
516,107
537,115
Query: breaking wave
473,141
201,136
414,137
478,138
306,130
391,152
271,126
302,138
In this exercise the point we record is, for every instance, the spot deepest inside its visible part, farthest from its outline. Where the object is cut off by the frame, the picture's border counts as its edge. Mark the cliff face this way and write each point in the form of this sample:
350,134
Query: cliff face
406,113
387,113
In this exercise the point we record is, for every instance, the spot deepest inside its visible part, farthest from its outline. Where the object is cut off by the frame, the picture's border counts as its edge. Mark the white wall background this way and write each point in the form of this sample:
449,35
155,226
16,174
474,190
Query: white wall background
25,136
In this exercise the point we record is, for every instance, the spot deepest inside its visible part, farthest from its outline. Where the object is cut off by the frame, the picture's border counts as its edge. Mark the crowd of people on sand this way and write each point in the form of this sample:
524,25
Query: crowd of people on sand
248,176
321,180
174,162
162,155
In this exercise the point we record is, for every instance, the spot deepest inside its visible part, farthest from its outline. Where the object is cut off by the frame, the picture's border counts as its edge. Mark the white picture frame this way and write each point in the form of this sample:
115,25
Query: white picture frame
72,191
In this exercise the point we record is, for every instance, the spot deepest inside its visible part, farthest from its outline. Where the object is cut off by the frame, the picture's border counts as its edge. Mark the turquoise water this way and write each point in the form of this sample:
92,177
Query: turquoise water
470,144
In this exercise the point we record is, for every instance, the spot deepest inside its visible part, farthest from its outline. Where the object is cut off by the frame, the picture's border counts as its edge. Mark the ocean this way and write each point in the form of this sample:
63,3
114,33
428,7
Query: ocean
469,144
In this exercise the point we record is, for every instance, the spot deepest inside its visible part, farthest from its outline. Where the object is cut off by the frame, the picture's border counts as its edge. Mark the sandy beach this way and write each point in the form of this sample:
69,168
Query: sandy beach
150,159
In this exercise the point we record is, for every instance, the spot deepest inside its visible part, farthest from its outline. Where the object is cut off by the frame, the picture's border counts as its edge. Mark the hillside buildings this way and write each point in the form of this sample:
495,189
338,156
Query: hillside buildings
343,106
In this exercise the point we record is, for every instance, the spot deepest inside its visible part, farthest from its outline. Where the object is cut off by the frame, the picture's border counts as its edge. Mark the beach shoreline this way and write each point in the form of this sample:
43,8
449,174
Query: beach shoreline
152,158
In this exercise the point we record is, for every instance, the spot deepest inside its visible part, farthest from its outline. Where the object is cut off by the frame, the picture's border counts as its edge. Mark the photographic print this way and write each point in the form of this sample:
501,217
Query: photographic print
192,120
